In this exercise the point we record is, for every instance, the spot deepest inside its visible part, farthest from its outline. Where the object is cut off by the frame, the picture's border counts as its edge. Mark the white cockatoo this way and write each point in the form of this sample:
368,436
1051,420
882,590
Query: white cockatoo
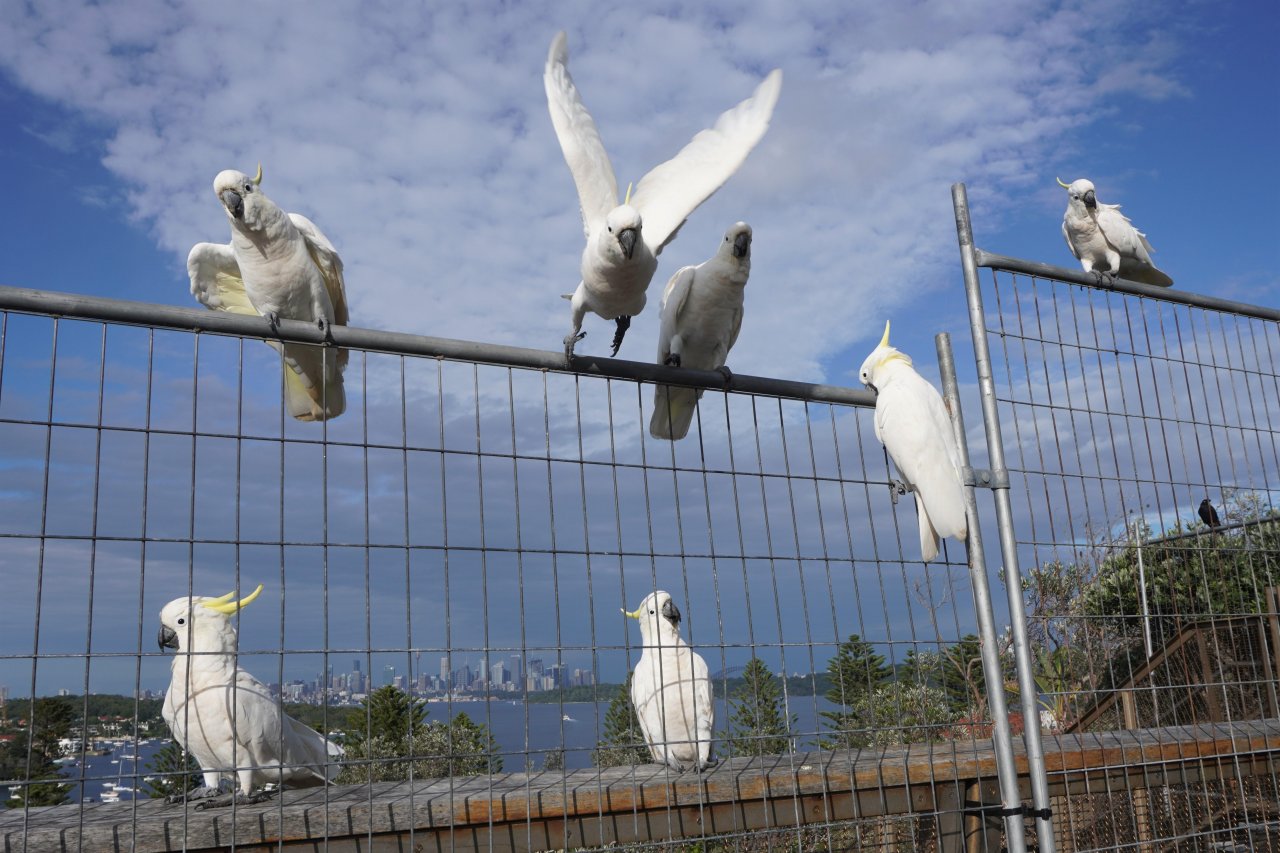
701,318
1104,240
913,425
227,719
281,266
624,240
671,689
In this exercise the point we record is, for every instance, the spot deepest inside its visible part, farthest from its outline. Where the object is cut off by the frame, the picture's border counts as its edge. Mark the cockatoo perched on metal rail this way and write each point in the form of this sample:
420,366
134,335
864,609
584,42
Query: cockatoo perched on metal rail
624,240
913,425
701,317
1104,240
226,718
671,689
278,265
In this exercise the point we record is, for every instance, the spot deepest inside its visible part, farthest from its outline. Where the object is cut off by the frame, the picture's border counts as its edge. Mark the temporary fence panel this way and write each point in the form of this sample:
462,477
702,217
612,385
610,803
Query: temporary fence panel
1140,432
443,567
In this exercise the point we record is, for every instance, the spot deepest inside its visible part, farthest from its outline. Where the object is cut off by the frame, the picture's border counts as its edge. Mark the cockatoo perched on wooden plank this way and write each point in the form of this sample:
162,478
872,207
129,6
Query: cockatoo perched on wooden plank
671,689
701,318
1104,240
624,240
913,425
226,718
281,266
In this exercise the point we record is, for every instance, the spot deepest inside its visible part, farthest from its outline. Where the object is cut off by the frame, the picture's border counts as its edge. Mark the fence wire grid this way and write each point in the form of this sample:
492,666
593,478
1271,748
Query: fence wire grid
1123,410
463,537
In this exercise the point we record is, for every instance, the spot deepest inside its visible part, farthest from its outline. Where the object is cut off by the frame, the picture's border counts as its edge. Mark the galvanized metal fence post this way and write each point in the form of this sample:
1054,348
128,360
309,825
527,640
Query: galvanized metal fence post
1004,523
1011,799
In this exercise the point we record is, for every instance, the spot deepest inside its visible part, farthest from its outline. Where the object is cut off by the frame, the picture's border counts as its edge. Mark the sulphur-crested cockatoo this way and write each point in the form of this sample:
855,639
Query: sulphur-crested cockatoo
671,689
227,719
281,266
624,240
701,317
913,425
1104,240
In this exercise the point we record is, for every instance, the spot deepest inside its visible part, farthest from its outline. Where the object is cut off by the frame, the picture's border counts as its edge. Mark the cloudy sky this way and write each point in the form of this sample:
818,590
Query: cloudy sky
419,141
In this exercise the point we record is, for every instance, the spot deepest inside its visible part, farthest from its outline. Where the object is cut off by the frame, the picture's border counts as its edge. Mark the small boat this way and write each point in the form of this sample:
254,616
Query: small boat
568,719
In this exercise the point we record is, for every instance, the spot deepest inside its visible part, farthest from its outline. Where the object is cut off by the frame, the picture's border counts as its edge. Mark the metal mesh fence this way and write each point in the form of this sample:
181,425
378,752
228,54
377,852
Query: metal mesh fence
1122,409
443,568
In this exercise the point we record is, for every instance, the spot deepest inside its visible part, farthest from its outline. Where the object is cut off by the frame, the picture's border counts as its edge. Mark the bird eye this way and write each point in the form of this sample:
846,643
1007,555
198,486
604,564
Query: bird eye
610,229
182,621
650,612
248,188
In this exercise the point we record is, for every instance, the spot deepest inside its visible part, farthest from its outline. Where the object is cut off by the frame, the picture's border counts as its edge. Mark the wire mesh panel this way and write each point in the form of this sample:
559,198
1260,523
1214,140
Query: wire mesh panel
443,568
1140,433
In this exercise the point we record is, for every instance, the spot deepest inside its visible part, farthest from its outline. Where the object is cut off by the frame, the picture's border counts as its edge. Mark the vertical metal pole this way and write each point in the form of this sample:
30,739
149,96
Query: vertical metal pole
1010,797
1004,523
1142,588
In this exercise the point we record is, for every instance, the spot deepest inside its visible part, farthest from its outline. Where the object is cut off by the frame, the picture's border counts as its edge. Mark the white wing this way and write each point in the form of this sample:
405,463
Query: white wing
705,707
1066,234
916,430
643,689
667,195
673,299
579,139
1119,231
328,262
215,279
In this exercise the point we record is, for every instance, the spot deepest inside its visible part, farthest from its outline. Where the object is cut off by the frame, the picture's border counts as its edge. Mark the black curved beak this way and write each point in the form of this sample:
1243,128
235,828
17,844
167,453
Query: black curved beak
874,389
671,613
1090,200
741,245
168,638
627,240
234,204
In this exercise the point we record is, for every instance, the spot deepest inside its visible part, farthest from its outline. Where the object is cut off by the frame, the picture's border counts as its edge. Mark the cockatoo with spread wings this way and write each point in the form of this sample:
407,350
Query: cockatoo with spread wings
671,689
1104,240
281,266
701,318
227,719
624,240
913,425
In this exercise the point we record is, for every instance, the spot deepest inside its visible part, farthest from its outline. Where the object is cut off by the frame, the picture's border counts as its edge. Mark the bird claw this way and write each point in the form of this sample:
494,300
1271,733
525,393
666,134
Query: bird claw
570,340
1105,279
273,320
239,798
897,488
204,792
672,360
724,371
624,323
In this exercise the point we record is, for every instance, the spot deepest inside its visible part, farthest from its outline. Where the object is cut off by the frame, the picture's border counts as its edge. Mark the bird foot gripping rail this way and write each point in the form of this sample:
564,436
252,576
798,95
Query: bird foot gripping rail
949,786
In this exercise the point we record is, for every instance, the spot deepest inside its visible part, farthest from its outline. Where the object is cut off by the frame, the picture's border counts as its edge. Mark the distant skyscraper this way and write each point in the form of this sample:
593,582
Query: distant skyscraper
444,670
388,674
355,665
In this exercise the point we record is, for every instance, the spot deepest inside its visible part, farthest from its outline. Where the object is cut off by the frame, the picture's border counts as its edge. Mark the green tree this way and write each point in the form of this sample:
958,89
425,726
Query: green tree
390,739
855,672
623,742
29,757
178,772
553,760
758,723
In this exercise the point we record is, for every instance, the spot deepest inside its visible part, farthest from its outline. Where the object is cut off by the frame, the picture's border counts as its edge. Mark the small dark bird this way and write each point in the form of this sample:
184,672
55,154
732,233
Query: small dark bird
1209,515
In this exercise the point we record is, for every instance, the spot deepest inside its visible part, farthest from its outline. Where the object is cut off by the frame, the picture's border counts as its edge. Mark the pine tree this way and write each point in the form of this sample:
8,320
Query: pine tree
51,720
623,742
856,672
962,677
758,724
178,772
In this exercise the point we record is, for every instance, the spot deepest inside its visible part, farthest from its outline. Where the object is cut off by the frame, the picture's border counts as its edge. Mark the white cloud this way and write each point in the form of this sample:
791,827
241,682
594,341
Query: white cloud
419,140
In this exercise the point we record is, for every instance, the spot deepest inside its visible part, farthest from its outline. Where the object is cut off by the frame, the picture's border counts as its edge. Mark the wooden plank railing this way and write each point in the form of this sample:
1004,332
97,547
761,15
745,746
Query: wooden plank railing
952,783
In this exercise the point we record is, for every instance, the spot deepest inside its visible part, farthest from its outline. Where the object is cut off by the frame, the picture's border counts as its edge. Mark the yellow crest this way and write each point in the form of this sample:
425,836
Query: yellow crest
884,342
628,199
224,604
257,179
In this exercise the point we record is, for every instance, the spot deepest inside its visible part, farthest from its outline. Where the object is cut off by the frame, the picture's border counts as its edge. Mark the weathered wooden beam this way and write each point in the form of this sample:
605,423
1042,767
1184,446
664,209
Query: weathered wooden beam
550,810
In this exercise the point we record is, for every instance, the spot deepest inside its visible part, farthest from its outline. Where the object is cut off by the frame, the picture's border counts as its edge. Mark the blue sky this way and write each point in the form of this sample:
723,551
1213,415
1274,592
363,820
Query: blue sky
420,143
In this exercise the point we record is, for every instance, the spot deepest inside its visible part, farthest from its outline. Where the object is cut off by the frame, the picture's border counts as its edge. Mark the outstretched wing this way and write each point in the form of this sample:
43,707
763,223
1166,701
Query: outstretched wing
667,195
215,279
326,259
579,139
1119,231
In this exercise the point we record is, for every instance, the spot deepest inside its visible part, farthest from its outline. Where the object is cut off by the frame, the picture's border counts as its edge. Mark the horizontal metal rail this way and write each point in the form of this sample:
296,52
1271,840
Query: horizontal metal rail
1120,285
199,320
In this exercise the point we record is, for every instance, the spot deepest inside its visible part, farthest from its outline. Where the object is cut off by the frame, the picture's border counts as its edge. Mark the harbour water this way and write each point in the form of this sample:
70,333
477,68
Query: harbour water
526,734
